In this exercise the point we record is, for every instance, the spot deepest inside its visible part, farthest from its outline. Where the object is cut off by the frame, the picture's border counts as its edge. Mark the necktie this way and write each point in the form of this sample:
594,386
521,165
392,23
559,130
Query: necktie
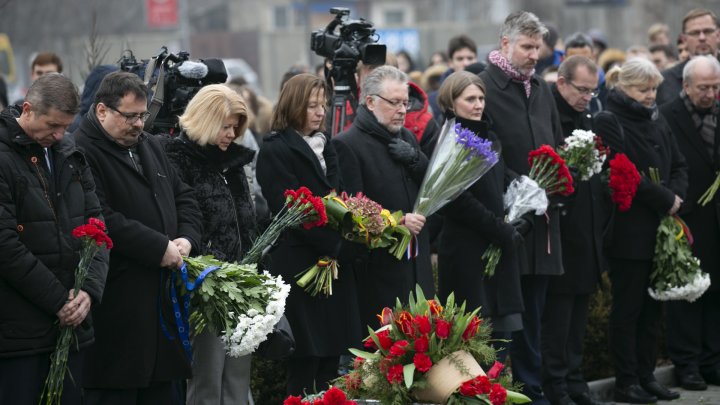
48,160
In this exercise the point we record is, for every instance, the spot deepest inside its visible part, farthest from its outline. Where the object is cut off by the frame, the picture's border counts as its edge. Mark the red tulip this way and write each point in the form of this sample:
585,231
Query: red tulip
385,317
472,328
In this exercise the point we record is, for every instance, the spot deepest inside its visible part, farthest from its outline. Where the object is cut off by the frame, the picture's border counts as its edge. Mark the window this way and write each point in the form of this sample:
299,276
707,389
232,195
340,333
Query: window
281,17
394,17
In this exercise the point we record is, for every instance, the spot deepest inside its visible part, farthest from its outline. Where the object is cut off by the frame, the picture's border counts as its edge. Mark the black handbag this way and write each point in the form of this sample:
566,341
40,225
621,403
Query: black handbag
280,343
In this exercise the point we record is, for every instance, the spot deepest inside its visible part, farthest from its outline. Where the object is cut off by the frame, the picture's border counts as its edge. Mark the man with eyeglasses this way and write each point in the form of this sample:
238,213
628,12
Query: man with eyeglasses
701,37
693,329
382,159
582,222
153,220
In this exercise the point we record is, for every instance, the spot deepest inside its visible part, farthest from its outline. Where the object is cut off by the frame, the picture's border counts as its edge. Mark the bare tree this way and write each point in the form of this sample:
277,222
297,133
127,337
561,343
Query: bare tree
96,48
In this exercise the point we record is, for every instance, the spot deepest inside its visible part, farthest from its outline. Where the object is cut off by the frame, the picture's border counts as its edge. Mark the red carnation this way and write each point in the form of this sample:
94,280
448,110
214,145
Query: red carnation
423,324
293,400
624,179
472,329
384,338
370,343
498,394
395,374
422,362
421,344
334,396
442,328
495,370
482,384
468,389
399,348
98,224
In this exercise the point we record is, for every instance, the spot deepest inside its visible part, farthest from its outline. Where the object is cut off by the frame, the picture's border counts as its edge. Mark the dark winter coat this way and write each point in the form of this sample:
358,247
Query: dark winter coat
523,124
473,221
39,255
322,326
583,219
704,222
669,89
367,167
222,192
645,137
143,212
419,120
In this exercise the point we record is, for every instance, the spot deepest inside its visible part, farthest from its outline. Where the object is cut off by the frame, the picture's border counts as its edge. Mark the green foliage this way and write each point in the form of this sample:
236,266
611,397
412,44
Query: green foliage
596,363
268,381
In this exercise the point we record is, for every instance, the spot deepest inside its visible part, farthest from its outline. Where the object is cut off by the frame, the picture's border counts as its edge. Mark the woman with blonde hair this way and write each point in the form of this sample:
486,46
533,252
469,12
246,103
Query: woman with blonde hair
208,160
633,125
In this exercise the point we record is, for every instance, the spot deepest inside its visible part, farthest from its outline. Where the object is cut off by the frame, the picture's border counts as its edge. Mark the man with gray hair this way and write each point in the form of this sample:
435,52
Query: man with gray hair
522,109
46,190
693,329
382,159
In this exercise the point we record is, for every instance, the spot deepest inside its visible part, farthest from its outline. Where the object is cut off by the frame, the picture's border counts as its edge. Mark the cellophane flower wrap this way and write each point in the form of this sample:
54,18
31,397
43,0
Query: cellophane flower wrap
93,237
411,340
623,181
234,301
676,271
549,175
333,396
460,158
584,151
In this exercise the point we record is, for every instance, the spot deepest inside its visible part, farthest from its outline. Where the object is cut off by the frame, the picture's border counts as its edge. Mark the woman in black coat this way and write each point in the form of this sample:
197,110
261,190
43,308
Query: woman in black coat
297,154
475,220
207,159
634,126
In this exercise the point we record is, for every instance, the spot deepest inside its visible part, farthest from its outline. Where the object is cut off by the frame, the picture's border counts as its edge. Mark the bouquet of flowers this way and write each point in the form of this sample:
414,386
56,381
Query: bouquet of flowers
233,300
428,353
461,157
92,237
676,272
709,194
549,175
623,181
333,396
584,151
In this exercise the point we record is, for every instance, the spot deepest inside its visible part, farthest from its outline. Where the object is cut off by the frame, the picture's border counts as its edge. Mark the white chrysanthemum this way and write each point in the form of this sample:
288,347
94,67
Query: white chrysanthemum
689,292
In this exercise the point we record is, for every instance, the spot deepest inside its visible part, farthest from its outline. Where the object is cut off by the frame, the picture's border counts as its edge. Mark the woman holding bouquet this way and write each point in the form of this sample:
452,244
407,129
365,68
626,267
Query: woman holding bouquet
207,159
298,154
475,220
633,125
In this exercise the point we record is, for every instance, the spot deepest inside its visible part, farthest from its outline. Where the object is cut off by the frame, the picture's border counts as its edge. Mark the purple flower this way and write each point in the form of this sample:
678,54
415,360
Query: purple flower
478,147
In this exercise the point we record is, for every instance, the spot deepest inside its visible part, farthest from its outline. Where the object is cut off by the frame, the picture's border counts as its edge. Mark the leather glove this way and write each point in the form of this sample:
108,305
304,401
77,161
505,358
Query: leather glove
403,152
522,225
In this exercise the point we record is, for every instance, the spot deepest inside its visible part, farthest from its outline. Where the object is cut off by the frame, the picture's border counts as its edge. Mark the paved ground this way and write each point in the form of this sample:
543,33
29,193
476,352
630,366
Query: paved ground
709,397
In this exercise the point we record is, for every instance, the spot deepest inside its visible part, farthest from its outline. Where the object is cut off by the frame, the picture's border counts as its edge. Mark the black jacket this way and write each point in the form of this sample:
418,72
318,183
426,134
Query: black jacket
704,222
321,326
222,191
143,212
644,136
524,124
473,221
583,220
39,255
367,167
671,85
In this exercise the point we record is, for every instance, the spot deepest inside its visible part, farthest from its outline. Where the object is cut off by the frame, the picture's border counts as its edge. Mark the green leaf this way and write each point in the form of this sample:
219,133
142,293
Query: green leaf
409,373
517,398
365,355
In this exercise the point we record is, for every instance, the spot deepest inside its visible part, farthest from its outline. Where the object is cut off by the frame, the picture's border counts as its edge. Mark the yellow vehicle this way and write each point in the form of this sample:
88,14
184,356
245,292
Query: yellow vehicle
7,60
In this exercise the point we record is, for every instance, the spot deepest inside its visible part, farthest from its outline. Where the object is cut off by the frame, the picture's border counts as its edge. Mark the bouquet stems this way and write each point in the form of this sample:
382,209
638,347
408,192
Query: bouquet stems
319,277
709,194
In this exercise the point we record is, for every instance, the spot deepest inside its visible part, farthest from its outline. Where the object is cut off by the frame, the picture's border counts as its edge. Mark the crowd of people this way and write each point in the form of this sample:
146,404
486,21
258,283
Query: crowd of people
208,190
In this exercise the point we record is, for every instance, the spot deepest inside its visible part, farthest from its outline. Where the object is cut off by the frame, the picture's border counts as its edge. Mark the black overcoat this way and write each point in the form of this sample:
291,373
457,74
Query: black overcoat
704,222
582,220
645,137
669,89
322,326
523,124
367,167
143,212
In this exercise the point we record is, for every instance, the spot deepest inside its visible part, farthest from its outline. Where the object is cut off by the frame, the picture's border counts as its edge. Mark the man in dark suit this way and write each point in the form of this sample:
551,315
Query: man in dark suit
153,220
701,37
582,221
693,329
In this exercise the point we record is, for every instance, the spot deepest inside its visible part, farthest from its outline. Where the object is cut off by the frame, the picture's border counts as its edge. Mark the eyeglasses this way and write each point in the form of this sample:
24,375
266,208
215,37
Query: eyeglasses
395,103
706,31
130,119
584,91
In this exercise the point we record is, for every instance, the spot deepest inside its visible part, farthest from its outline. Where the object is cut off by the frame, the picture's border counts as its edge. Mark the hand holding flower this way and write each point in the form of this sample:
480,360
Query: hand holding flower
183,246
75,310
413,222
676,205
172,257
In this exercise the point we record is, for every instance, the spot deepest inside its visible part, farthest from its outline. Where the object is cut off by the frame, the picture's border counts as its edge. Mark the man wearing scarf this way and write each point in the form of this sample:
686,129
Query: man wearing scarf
693,329
382,159
522,109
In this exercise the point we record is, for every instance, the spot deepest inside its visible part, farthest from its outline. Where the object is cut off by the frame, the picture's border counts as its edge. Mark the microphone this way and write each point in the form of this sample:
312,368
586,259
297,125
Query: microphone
192,70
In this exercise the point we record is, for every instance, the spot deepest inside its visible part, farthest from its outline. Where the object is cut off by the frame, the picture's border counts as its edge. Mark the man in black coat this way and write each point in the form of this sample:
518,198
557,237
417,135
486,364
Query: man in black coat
382,159
522,110
153,220
701,37
693,329
46,190
582,221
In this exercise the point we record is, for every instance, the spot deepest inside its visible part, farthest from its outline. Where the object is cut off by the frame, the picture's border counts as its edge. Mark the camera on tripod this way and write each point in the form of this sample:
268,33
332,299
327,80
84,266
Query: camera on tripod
175,80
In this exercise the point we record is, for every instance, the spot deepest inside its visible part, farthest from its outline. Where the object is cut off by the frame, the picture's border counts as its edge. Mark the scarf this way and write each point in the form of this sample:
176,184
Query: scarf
317,143
497,59
705,122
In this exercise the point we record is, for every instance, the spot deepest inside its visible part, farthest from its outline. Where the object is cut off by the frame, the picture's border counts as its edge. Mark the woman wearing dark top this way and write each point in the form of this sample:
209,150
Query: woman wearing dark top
298,154
208,160
475,220
633,125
